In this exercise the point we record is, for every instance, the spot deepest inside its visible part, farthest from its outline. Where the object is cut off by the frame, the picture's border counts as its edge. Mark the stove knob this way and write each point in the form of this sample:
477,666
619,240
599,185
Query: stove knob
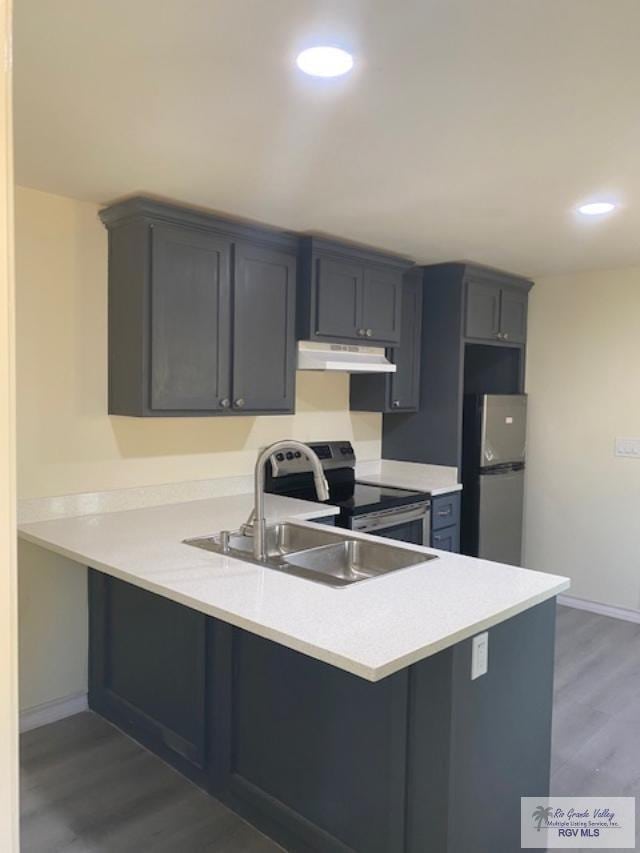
280,457
298,455
289,454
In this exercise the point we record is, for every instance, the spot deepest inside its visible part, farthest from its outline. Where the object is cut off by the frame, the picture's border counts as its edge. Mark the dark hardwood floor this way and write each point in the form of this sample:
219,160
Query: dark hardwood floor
87,788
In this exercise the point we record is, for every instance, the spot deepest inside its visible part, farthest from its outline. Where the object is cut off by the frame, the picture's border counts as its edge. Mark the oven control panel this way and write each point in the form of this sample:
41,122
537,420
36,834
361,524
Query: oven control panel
332,454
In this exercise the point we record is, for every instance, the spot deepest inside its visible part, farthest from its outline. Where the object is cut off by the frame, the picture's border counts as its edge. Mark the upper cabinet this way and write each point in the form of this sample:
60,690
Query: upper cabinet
473,342
201,313
399,391
189,319
349,295
496,309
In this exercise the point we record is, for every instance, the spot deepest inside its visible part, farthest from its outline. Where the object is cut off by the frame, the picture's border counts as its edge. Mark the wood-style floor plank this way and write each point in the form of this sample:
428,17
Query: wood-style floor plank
88,788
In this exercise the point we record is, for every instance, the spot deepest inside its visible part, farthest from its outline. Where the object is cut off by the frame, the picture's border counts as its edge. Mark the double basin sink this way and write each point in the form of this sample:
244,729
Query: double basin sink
318,554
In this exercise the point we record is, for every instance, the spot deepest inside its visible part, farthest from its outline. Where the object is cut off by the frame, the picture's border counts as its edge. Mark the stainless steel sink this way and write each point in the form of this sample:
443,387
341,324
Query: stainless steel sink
318,554
354,560
281,538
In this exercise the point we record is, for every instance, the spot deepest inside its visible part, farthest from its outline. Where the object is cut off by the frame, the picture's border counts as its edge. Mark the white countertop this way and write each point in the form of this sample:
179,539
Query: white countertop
434,479
371,629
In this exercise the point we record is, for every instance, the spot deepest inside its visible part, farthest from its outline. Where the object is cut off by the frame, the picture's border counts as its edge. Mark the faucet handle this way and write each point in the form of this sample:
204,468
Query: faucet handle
224,541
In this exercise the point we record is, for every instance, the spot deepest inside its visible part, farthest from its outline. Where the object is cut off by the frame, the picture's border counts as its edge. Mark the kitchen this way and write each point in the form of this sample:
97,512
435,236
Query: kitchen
139,429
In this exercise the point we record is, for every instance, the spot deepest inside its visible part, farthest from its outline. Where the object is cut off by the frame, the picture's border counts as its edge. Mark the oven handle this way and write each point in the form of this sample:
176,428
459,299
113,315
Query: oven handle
393,518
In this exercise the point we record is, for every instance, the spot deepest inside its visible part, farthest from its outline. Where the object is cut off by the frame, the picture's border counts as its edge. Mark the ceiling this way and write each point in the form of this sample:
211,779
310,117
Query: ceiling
468,128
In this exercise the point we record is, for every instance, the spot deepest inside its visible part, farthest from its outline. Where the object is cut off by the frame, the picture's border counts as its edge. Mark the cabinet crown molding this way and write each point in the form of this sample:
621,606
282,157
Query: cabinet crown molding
353,251
145,208
469,270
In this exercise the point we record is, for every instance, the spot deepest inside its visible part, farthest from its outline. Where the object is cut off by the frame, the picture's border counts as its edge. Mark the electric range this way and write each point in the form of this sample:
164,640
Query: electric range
394,513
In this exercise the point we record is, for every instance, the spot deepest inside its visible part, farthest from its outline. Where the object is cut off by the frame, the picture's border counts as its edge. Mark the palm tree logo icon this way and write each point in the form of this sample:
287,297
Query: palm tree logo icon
542,814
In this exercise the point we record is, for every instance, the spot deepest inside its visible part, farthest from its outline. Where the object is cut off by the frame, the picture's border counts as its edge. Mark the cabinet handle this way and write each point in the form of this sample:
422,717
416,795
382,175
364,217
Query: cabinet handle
225,403
369,333
442,513
361,332
499,336
239,403
396,404
505,337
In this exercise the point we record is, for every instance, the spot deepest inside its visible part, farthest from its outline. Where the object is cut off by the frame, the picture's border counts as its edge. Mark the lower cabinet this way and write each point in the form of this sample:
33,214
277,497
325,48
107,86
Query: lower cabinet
445,522
147,670
313,756
318,759
446,540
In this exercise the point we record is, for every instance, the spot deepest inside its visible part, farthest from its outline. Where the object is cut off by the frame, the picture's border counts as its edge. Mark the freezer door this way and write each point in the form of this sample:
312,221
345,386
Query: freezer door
504,420
500,517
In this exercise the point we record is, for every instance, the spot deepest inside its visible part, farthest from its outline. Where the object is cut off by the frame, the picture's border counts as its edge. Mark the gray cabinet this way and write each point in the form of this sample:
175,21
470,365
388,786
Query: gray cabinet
513,315
445,522
349,295
190,319
465,307
263,329
482,319
201,313
399,391
381,305
337,298
446,540
147,670
495,311
320,759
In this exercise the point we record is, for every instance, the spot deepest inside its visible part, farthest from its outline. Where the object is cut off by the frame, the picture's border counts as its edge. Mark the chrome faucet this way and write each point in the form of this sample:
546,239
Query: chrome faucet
257,519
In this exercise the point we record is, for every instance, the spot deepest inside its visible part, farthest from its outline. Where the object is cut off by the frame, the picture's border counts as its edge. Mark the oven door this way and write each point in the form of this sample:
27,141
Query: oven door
408,523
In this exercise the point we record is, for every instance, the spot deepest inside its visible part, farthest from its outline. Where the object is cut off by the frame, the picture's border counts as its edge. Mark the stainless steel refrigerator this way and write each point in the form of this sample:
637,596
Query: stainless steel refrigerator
494,434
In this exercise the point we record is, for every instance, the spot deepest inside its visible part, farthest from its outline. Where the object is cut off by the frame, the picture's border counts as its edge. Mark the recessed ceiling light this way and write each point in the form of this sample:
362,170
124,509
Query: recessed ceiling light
596,208
324,61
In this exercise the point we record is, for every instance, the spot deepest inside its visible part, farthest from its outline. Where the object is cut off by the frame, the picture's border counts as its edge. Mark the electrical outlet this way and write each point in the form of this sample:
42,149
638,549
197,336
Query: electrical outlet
479,655
628,447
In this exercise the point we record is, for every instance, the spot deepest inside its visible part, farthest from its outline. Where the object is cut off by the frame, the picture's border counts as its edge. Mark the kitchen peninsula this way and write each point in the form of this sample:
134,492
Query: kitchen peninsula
332,719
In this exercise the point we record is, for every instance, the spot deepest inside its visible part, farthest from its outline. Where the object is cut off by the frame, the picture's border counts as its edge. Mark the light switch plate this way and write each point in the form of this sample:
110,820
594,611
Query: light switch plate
628,447
479,655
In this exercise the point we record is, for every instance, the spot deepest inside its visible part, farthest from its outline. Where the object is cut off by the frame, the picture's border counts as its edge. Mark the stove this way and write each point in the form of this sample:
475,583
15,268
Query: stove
394,513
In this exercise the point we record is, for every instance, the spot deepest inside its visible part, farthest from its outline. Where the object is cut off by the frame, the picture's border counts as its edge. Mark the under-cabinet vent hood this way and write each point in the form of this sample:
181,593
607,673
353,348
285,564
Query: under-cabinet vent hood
348,358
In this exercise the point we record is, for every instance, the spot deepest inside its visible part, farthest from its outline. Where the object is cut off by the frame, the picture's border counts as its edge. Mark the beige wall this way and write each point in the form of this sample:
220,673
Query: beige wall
583,503
8,629
68,443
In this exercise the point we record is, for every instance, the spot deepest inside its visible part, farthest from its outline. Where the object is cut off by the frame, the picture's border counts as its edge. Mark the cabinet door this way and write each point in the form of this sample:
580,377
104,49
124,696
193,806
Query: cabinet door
190,320
513,315
447,539
445,510
147,669
404,384
264,334
337,299
482,318
381,306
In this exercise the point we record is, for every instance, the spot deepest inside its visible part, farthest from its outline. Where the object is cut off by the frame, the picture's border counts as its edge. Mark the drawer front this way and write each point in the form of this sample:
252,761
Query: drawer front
447,539
445,511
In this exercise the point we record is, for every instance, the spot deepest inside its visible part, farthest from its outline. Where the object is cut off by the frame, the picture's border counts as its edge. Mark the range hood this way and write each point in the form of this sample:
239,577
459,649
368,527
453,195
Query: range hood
347,358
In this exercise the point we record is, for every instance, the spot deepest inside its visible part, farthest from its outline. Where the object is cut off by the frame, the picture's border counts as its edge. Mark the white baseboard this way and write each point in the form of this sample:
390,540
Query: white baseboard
50,712
603,609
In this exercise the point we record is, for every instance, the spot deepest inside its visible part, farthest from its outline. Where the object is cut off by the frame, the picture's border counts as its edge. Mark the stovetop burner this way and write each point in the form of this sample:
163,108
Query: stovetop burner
363,498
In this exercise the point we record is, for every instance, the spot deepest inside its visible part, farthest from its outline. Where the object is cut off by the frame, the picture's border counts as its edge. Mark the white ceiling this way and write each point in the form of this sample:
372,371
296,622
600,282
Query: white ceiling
468,129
